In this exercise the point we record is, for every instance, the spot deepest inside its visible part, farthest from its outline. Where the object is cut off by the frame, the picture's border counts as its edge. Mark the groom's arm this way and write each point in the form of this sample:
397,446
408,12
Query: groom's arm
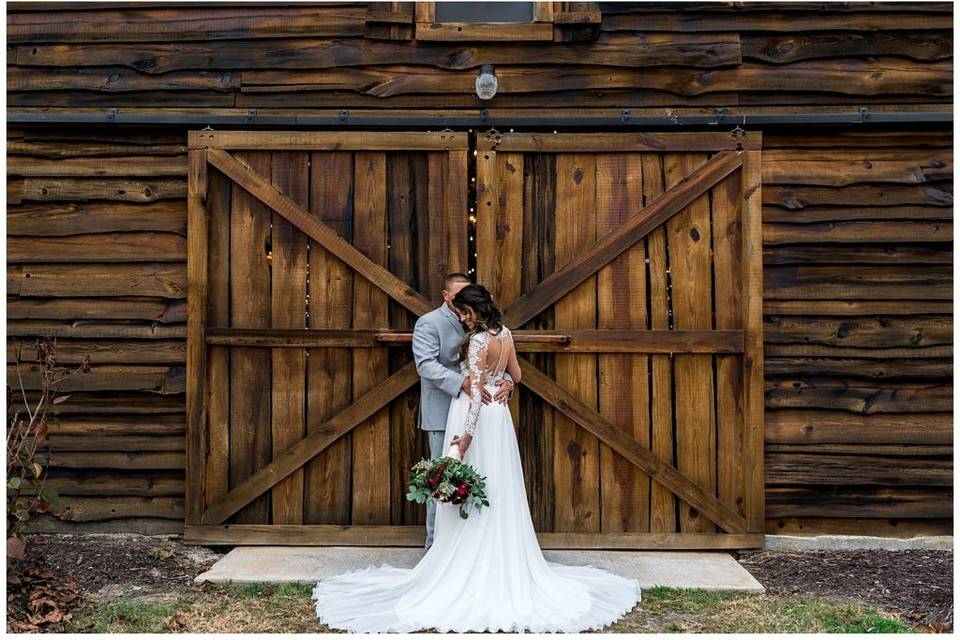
507,376
426,352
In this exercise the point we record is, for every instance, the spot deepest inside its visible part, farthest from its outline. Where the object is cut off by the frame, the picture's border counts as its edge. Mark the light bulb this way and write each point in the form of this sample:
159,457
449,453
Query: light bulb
486,82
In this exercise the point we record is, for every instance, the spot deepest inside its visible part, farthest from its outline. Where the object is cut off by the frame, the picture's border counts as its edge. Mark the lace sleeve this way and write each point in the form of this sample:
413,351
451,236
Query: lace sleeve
476,364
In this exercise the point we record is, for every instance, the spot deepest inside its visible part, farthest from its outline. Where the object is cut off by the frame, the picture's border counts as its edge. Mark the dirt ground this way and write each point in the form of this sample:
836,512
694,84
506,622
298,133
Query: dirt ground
915,587
917,584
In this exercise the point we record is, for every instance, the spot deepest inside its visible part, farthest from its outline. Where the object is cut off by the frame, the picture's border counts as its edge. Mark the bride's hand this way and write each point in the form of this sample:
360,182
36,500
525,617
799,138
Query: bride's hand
464,443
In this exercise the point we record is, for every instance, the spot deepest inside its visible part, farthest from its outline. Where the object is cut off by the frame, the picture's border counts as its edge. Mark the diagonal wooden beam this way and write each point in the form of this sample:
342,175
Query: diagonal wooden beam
561,282
319,438
262,189
621,442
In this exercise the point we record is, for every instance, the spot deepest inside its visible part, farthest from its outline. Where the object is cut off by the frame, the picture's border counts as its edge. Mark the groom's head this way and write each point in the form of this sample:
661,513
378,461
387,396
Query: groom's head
451,286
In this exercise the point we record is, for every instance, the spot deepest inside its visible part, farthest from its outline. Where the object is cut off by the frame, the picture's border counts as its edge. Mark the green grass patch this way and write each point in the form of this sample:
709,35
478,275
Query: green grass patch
288,608
669,610
127,615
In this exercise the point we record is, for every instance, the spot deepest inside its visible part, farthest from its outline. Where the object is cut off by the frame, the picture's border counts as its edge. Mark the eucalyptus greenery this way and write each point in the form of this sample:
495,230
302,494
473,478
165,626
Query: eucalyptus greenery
447,479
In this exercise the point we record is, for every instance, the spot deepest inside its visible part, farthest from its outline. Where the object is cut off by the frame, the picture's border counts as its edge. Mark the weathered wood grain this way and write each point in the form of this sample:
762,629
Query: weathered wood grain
860,502
795,426
852,470
906,282
75,218
155,279
576,454
370,465
624,49
691,284
857,396
623,387
159,24
250,367
327,477
131,309
288,308
99,248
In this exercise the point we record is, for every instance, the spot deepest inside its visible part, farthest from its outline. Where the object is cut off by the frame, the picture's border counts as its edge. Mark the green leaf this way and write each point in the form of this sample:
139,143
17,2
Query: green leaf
13,483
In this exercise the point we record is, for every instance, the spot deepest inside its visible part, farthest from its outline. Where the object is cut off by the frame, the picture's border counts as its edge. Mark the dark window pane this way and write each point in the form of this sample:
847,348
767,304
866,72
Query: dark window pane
484,11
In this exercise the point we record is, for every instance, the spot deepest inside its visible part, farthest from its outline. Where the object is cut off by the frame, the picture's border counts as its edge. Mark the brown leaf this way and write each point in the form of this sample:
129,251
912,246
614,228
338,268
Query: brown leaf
16,549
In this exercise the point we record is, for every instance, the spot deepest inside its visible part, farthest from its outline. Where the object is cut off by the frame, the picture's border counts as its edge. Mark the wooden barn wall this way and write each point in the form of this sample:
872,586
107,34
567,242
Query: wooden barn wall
857,288
639,55
857,221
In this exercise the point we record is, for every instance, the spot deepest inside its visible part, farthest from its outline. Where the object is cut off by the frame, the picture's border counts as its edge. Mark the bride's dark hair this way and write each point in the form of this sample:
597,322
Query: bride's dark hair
488,316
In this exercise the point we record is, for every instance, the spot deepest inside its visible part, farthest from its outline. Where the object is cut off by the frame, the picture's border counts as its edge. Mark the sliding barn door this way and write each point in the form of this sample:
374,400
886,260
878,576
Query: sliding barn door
631,266
310,257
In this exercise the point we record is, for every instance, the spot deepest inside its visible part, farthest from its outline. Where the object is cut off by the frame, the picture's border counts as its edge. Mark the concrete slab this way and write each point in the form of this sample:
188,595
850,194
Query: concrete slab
835,542
713,571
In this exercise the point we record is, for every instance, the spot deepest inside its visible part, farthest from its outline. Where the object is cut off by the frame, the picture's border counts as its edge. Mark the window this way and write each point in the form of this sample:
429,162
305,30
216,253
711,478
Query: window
484,11
484,21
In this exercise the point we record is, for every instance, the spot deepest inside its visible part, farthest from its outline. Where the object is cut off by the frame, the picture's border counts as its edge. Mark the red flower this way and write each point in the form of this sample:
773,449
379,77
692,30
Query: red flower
462,489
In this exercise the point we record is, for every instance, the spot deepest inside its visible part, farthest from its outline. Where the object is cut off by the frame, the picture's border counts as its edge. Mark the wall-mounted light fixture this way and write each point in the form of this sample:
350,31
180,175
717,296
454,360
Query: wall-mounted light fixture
486,82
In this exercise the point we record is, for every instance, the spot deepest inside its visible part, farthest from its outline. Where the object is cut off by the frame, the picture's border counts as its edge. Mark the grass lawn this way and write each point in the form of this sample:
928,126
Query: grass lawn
274,608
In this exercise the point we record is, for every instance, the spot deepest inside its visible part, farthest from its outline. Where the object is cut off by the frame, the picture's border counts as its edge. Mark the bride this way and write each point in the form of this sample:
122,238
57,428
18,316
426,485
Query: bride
486,572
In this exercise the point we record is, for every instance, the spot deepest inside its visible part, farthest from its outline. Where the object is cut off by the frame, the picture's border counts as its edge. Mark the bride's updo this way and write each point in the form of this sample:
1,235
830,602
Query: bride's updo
488,316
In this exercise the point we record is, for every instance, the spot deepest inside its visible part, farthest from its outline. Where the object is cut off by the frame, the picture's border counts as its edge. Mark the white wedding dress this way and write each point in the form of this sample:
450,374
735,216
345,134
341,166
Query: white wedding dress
486,572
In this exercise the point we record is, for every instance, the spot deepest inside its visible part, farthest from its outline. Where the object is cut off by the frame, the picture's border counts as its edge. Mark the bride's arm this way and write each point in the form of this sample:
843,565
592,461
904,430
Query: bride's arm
476,366
513,366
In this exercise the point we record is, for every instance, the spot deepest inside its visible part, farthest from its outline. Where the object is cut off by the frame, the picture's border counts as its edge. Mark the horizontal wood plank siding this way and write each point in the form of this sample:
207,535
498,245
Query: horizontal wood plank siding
857,220
353,55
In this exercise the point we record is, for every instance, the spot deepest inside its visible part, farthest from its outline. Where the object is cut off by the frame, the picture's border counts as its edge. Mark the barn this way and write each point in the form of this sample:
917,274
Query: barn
721,230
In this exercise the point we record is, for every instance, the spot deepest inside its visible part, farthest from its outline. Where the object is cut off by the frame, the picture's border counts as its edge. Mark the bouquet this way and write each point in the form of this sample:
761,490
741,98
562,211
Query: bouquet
447,479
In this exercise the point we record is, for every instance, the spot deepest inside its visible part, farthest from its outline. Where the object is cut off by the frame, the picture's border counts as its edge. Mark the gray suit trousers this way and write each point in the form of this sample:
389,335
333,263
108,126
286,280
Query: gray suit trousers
436,449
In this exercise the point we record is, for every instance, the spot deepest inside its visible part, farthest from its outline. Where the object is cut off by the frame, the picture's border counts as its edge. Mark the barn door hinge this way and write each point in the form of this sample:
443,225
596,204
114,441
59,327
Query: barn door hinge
344,115
864,113
112,114
625,115
251,116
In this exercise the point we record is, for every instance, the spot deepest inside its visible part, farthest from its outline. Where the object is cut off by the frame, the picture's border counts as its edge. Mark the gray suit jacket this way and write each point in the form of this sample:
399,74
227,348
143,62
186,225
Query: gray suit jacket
436,347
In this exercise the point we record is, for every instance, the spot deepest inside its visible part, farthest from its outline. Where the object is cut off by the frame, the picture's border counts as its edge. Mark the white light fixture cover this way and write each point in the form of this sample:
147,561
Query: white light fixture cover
486,82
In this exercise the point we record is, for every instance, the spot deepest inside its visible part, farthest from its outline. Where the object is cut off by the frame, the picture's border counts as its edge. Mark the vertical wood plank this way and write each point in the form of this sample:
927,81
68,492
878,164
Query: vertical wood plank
691,289
371,439
327,478
250,391
487,212
621,304
500,235
217,461
196,322
536,417
406,441
727,246
500,226
663,503
752,262
437,213
576,451
456,219
288,311
445,236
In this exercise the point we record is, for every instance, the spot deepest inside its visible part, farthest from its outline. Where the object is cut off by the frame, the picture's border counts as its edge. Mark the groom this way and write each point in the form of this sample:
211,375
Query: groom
436,344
